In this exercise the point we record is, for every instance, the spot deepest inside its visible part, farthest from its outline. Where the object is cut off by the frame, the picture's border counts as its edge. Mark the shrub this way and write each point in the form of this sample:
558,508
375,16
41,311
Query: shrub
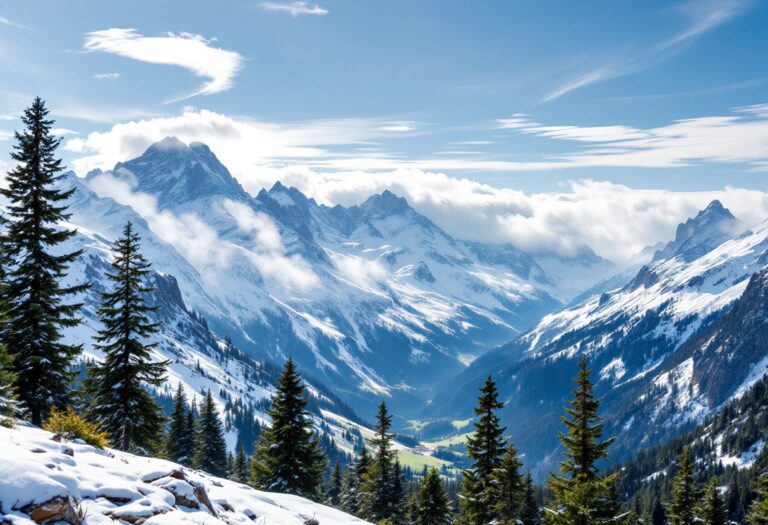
71,426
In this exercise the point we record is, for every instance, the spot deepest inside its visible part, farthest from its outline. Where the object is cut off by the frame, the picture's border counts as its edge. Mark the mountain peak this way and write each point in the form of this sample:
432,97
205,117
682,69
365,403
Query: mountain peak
176,172
710,227
385,204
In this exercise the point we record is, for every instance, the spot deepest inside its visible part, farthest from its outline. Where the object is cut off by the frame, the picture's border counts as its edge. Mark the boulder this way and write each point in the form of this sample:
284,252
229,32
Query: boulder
60,508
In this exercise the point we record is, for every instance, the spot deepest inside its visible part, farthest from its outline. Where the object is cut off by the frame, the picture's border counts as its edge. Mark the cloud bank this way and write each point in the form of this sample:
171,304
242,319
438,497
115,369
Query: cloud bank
189,51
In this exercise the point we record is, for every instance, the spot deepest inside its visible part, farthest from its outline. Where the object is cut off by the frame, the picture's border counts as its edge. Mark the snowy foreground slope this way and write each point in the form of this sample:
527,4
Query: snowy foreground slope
42,480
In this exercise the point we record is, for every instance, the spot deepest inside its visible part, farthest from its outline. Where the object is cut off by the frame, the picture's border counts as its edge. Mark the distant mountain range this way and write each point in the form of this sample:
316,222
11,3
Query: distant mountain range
375,302
374,299
668,348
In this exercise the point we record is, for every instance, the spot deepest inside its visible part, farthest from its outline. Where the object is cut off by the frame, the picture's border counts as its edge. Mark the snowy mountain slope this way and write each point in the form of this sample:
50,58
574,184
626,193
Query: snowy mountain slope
198,359
374,298
43,479
633,337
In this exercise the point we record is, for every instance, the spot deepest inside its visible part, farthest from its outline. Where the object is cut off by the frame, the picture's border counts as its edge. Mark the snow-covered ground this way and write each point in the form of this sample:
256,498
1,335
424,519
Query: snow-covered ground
81,484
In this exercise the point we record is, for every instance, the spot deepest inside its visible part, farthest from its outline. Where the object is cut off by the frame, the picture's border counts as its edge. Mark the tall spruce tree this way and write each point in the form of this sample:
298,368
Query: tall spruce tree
288,457
581,494
711,509
120,402
210,447
758,510
432,506
378,484
333,491
351,495
180,440
529,511
508,489
485,448
680,510
37,300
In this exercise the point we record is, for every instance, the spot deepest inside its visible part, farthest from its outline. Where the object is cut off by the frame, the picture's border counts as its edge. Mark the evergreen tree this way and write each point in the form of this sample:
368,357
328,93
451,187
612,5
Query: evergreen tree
180,441
529,511
684,495
120,403
351,495
507,489
399,497
36,298
190,430
378,484
659,513
485,448
239,470
711,510
758,511
333,491
210,448
288,457
432,506
581,494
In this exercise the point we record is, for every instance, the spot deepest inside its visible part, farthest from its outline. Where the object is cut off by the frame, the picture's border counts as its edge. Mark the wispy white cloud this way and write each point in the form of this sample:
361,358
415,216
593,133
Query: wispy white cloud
5,116
189,51
106,76
5,135
702,16
8,22
295,8
62,132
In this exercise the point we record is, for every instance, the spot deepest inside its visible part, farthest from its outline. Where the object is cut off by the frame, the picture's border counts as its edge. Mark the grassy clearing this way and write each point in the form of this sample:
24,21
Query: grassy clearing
453,440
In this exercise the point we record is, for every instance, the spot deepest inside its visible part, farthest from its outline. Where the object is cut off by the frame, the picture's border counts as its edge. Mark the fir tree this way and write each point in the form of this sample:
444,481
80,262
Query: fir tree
711,510
120,403
758,510
239,471
210,448
351,496
680,511
507,488
288,457
485,448
659,513
180,441
378,484
529,511
581,494
432,506
333,491
399,497
36,298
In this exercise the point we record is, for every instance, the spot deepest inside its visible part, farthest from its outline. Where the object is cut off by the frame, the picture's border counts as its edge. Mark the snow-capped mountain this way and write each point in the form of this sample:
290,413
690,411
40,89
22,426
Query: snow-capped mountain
45,480
198,359
650,343
374,299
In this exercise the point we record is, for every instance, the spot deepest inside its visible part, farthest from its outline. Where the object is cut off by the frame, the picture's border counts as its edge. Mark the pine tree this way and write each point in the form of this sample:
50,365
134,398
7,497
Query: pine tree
485,448
351,496
120,403
684,495
529,512
210,448
432,506
36,298
288,457
399,497
239,471
581,494
180,440
333,491
758,510
507,489
711,510
378,484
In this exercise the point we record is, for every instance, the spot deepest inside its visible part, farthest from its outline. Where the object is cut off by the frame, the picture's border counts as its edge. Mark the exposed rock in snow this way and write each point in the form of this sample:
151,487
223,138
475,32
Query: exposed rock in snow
39,484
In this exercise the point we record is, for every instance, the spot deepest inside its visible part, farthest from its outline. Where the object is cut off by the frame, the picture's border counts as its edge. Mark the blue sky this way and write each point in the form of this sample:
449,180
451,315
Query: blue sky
518,95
